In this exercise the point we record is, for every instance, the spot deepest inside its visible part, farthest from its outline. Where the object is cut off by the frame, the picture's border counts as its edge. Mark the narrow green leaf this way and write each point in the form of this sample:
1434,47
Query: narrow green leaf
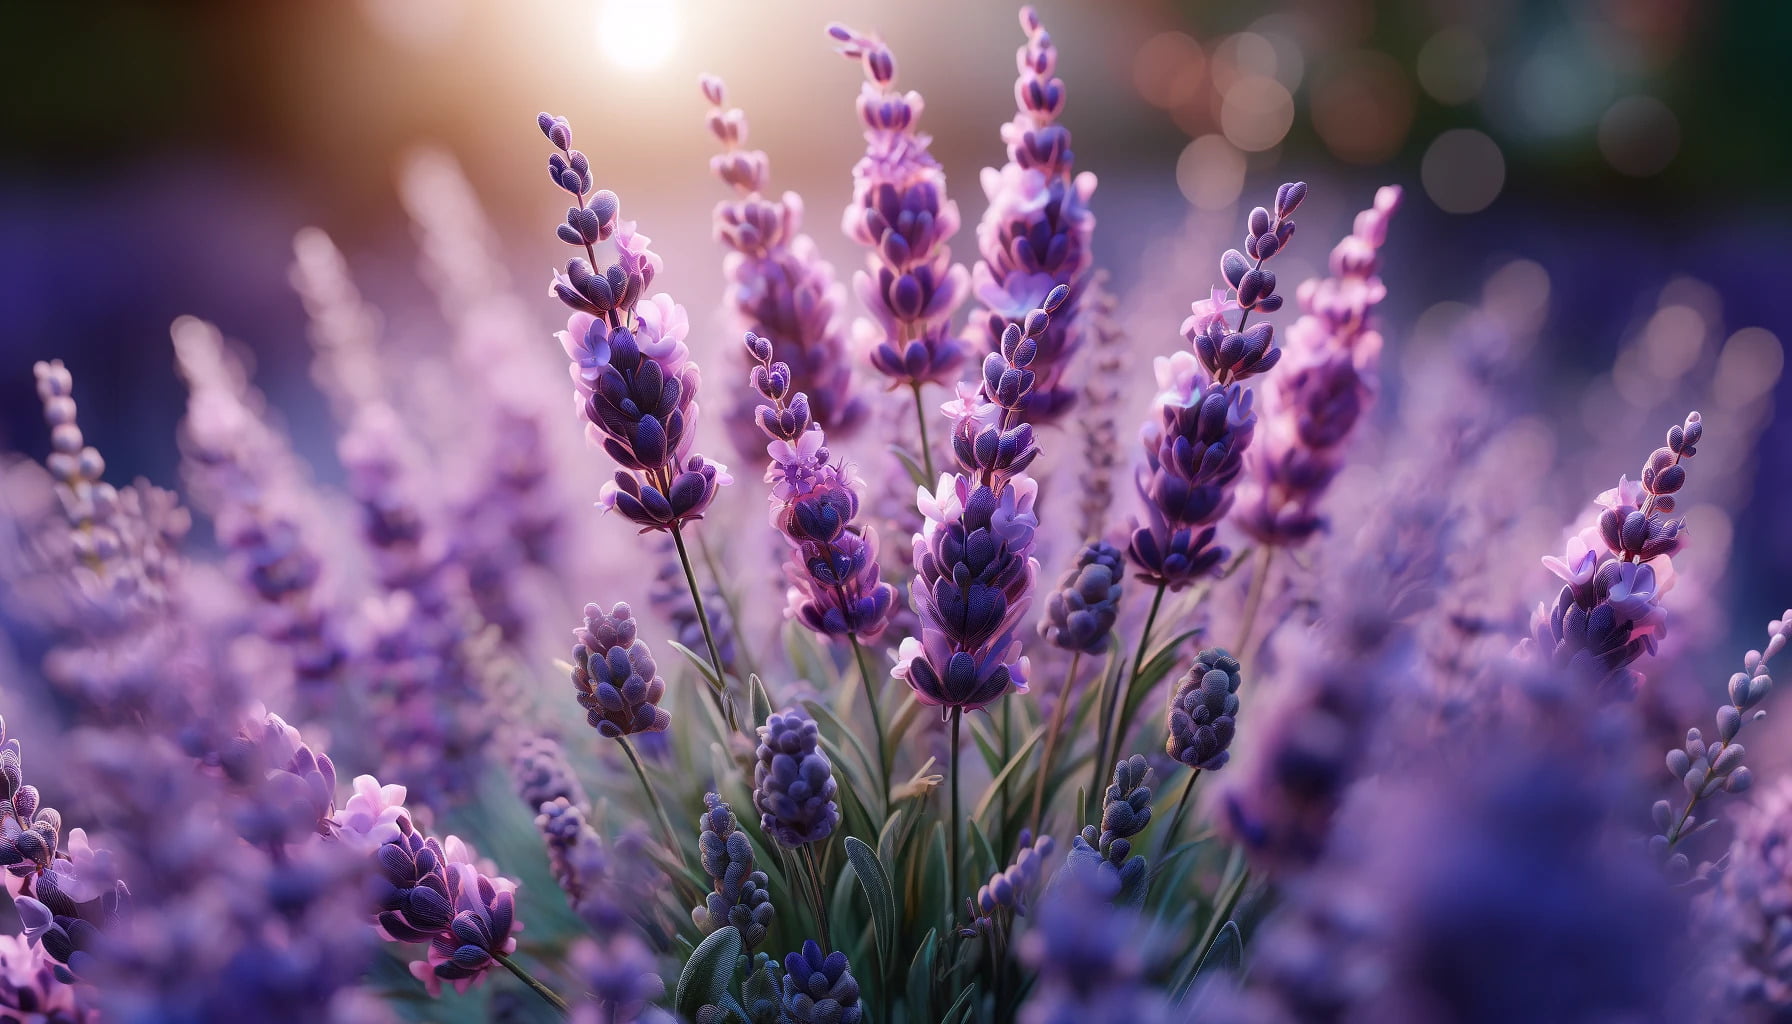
1156,667
886,838
961,1007
707,973
832,726
878,892
1226,954
990,863
920,979
995,784
986,745
701,663
915,472
762,701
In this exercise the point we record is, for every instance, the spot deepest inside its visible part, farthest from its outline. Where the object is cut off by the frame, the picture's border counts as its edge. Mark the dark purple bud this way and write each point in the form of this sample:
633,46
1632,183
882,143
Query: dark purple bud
1233,266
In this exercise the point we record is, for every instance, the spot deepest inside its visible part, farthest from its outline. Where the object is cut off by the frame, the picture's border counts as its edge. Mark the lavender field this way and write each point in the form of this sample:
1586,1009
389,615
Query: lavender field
1138,512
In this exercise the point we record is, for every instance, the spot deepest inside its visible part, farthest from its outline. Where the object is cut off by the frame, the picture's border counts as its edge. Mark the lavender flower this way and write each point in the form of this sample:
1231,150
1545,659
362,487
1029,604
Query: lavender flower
617,682
1036,233
1203,709
900,212
542,774
29,988
1195,452
820,989
29,830
289,789
793,781
433,892
1616,572
1081,613
778,284
1006,893
633,379
741,895
619,972
1327,382
833,571
581,865
1104,858
1753,907
1089,963
1096,424
974,564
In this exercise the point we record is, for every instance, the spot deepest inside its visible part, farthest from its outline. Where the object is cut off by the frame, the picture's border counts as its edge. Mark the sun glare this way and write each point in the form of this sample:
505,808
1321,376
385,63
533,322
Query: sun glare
637,34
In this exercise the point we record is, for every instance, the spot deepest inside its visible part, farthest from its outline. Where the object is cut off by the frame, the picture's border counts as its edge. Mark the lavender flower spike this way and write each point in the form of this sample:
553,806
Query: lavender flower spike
1195,451
819,989
613,671
1103,857
632,376
429,891
835,587
974,564
793,782
900,212
1616,571
1327,383
1036,233
1203,710
778,284
1080,614
741,895
1008,891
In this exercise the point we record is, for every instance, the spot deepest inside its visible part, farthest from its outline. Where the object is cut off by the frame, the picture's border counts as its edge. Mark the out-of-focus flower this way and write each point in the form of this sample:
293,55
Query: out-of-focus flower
974,565
778,285
619,972
1203,711
1008,891
1103,857
29,989
793,781
370,817
617,682
542,774
1036,234
1609,613
741,894
1089,963
1081,613
833,572
632,376
820,989
900,212
1752,908
670,595
1311,407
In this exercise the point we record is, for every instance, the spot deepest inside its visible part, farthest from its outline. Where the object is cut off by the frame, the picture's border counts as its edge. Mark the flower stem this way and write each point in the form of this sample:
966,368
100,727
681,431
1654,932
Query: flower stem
952,823
526,978
1176,818
877,716
1059,711
659,809
921,418
812,868
1112,725
719,684
1253,601
732,607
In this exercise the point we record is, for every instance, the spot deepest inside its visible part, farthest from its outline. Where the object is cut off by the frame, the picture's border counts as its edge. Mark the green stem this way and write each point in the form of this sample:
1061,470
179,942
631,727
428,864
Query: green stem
1051,743
811,862
877,716
1176,818
526,978
1112,729
659,809
921,418
953,822
715,656
1253,601
1002,850
1138,658
733,608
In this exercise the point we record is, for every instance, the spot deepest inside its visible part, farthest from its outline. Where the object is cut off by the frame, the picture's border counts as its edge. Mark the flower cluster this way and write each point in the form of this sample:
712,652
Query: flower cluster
974,564
1103,858
1005,895
632,376
833,570
542,774
1754,905
778,284
1090,964
1194,452
1327,381
900,211
1036,234
434,892
613,671
1616,571
619,971
820,989
1081,613
1203,711
793,781
741,895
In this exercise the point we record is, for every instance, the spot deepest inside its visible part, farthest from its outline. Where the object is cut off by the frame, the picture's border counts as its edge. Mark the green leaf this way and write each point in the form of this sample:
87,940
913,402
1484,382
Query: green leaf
1226,954
878,892
762,701
920,979
886,839
831,726
961,1007
702,663
707,973
992,758
990,862
995,784
915,472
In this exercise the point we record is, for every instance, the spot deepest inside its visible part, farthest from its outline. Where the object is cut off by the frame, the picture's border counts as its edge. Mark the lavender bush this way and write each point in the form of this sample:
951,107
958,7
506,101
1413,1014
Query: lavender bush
820,780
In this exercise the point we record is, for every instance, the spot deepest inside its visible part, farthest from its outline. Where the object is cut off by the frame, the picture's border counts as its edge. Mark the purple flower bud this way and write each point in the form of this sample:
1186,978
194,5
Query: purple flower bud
793,781
617,682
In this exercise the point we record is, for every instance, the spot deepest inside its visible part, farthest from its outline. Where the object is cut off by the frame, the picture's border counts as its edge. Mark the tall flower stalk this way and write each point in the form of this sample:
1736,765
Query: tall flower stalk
778,287
1037,231
633,381
900,212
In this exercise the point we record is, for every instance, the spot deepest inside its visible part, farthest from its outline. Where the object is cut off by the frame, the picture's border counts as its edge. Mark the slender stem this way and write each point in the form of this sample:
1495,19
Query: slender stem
1222,912
526,978
812,868
653,797
732,606
877,716
1253,601
921,418
1176,818
1138,658
1110,689
1059,711
715,656
952,823
1002,850
1112,725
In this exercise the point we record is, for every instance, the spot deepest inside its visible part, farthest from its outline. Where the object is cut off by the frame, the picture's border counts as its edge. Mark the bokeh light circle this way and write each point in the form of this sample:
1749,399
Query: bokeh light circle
1362,106
1639,136
1452,66
1256,113
1169,70
1463,171
1210,172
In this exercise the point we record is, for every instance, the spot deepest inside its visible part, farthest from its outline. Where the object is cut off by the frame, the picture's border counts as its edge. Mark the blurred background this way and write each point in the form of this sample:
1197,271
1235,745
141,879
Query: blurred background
157,159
